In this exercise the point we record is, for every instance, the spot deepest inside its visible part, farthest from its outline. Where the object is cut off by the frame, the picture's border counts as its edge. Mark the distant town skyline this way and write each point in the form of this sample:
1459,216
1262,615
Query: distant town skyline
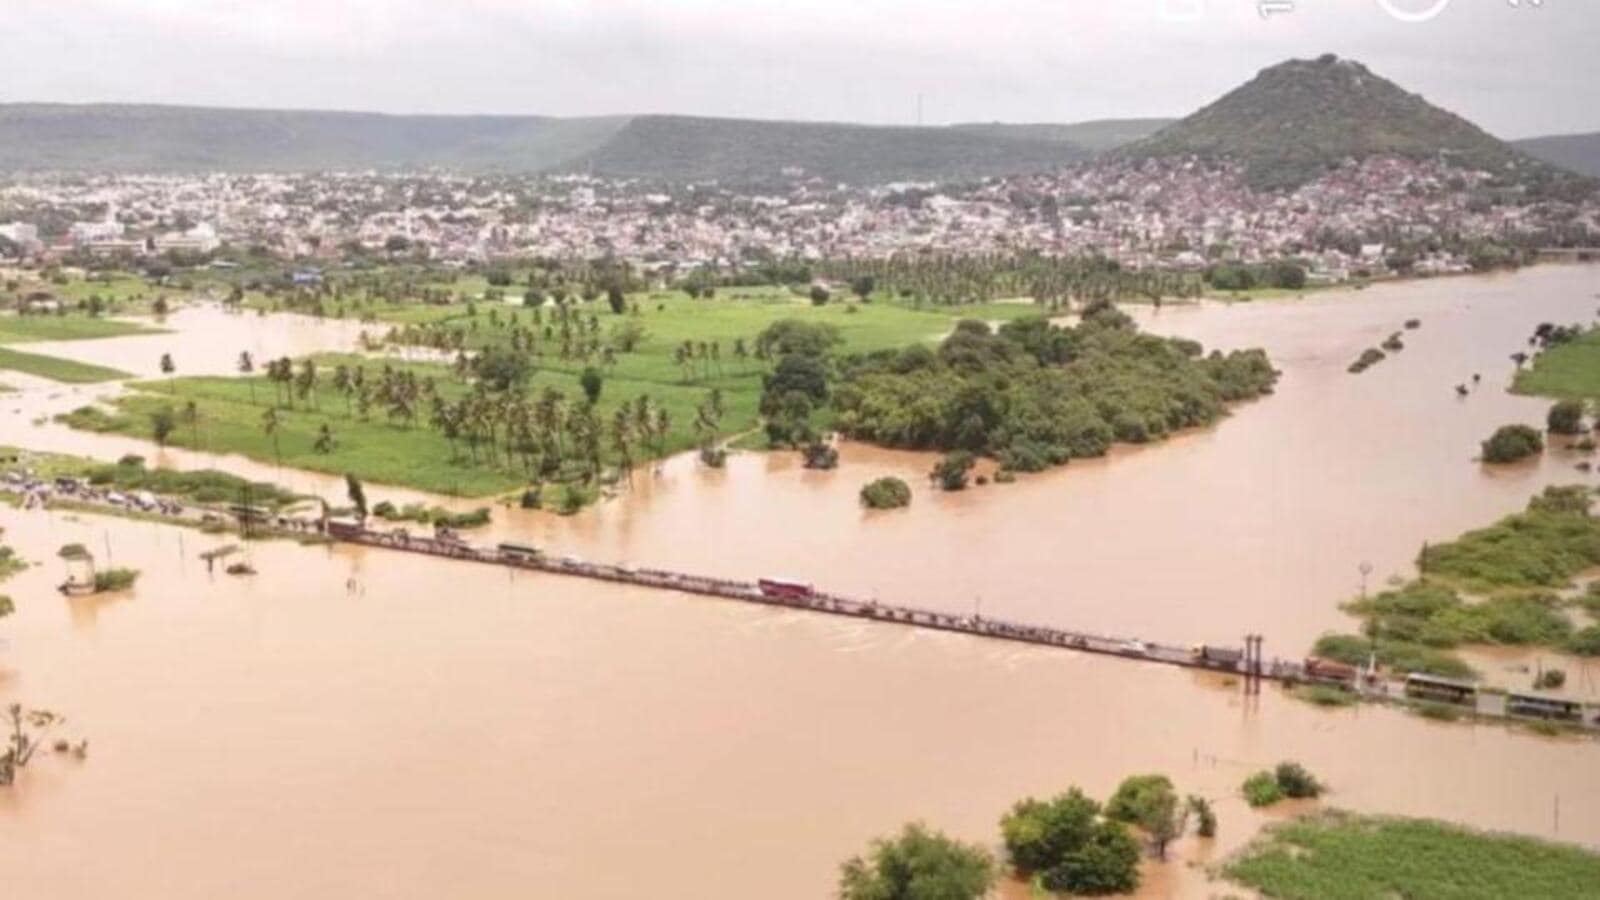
1517,71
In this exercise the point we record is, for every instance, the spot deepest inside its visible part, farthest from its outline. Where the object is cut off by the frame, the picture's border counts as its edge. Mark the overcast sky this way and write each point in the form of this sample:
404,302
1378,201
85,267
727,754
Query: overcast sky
1518,71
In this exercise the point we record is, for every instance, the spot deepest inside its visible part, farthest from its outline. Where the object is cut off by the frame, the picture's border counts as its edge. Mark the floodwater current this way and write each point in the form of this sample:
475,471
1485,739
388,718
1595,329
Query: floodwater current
355,722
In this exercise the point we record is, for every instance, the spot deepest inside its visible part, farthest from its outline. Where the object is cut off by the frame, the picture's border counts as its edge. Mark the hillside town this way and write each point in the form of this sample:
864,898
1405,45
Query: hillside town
1176,215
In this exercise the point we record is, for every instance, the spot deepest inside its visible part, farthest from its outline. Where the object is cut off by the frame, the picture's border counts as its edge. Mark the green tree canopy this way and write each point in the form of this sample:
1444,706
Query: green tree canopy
918,864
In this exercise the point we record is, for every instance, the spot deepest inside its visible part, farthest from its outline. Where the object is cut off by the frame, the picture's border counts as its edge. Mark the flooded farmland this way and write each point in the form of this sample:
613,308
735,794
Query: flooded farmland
355,722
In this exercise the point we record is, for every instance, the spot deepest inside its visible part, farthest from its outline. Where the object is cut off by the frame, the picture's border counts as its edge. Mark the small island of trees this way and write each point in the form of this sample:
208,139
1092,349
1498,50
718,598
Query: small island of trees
1033,394
1066,844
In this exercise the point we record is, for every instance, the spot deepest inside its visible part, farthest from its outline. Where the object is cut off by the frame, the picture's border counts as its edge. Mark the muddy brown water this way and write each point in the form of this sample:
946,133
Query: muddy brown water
352,722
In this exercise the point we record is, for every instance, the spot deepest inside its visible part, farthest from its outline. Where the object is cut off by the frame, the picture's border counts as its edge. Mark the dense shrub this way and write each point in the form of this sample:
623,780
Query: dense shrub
1511,443
950,473
1565,417
819,455
431,515
1295,781
1400,656
1551,680
918,863
1070,846
1553,540
1435,615
886,493
117,579
1134,795
1368,358
199,486
1585,642
1261,789
1034,394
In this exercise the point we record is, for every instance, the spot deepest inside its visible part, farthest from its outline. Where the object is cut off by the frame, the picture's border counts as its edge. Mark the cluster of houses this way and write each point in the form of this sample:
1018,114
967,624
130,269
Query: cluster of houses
1182,215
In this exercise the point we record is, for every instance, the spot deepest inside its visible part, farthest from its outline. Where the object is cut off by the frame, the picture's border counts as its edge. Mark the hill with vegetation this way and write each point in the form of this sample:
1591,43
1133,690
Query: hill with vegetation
142,138
696,149
1576,152
117,137
1095,136
1295,120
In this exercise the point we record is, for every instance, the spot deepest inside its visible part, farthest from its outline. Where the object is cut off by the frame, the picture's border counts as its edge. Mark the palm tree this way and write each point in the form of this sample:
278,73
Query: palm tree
269,424
663,428
622,441
324,443
191,414
306,383
344,383
247,366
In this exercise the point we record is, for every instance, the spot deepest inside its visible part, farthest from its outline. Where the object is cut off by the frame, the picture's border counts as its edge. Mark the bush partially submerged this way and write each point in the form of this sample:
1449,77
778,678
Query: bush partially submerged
1368,358
1511,443
886,493
118,579
1261,789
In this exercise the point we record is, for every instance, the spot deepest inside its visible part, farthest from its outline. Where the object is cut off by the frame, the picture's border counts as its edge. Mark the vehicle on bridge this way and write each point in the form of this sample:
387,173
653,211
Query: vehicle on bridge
1330,671
786,589
1421,686
518,552
1551,708
1213,657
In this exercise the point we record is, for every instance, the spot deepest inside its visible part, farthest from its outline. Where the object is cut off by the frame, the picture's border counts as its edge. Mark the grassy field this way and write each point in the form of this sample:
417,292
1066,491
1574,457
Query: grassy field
230,410
1341,856
230,415
73,327
55,368
1566,370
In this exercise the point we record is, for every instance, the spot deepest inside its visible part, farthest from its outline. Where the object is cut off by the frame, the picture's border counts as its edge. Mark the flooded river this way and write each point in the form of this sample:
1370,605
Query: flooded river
352,722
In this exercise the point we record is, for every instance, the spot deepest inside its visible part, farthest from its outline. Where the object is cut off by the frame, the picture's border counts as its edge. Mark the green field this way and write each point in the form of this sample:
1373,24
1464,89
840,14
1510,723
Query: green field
55,368
72,327
229,419
229,411
1571,369
1341,856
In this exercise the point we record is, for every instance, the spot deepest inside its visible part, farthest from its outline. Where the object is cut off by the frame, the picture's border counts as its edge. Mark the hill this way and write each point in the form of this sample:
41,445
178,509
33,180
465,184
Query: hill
115,137
1296,119
1095,136
1578,152
693,148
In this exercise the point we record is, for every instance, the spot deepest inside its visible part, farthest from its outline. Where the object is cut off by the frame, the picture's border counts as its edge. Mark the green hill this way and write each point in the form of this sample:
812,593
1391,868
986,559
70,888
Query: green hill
1578,152
1095,136
1296,119
693,148
116,137
127,138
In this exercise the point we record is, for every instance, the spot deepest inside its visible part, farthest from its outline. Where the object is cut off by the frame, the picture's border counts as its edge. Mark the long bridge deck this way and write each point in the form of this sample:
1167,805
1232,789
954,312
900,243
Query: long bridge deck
1246,663
812,600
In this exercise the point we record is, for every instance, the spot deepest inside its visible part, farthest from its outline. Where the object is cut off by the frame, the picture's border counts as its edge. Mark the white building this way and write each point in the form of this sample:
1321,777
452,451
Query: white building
201,238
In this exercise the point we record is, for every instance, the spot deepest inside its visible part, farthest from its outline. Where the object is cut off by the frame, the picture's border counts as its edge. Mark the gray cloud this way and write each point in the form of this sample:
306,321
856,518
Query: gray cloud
1515,71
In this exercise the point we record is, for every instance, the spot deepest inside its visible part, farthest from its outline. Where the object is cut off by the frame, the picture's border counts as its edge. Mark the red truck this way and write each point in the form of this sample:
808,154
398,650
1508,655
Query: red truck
1330,670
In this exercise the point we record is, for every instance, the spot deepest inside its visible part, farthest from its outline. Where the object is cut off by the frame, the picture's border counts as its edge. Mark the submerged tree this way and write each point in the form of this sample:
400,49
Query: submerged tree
918,864
27,729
